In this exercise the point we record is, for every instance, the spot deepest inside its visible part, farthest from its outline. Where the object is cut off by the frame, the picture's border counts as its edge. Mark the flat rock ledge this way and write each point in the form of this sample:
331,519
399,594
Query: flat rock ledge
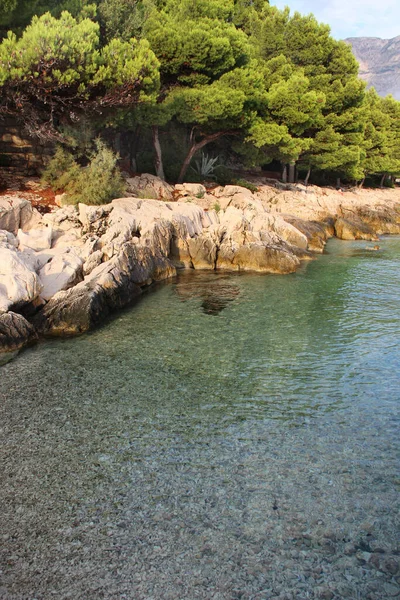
63,273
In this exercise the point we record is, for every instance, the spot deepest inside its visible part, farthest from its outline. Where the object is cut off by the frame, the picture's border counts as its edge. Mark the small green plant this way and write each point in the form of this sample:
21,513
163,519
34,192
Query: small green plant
97,183
204,167
61,170
217,207
200,195
246,184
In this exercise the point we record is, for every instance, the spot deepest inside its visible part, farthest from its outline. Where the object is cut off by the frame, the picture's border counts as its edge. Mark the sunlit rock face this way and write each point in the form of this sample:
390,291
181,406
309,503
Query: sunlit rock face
379,63
66,272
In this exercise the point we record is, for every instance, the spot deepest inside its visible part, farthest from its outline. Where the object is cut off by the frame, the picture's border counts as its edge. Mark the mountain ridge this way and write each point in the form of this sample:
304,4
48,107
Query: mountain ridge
379,61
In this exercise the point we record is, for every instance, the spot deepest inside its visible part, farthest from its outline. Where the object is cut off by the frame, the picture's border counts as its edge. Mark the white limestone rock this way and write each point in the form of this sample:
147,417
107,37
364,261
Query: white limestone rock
36,239
16,213
73,237
61,273
8,240
64,219
196,190
88,215
93,261
19,284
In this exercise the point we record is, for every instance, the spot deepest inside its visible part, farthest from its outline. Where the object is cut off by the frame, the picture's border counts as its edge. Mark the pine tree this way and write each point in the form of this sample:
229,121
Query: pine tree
57,70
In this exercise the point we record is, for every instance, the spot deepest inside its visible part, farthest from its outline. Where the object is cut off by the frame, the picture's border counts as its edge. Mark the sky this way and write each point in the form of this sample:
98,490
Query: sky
351,18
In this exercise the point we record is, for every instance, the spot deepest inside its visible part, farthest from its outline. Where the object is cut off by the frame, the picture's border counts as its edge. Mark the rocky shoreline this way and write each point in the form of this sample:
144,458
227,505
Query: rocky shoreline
64,272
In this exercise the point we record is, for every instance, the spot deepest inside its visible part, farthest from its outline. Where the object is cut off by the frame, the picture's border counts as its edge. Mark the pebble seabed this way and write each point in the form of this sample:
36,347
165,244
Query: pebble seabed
214,463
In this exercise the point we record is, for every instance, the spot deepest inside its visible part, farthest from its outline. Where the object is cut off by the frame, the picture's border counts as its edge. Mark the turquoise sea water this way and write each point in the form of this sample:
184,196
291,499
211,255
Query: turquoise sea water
229,436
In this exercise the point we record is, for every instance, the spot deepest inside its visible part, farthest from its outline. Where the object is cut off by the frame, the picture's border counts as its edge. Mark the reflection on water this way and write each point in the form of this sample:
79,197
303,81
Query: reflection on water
215,290
231,436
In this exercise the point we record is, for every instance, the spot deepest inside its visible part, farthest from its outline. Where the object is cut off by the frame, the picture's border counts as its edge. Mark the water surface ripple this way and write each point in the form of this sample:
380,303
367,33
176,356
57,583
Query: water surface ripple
230,436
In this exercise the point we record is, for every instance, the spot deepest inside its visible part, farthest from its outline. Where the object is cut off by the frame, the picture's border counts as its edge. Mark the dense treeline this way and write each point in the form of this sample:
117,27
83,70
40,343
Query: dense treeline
252,83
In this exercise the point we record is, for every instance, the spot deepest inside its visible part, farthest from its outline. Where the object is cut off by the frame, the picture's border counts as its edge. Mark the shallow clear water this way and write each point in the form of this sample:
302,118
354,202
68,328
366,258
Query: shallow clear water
230,436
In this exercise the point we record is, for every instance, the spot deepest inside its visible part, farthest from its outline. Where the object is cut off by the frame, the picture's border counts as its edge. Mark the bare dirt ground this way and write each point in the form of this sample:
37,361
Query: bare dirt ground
41,196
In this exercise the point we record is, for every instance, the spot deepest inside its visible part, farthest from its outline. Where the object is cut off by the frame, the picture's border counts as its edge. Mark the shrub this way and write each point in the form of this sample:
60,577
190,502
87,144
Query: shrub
61,170
97,183
217,207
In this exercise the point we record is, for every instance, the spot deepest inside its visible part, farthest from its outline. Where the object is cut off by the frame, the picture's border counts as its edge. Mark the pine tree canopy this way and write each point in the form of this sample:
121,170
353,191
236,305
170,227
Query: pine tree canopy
278,83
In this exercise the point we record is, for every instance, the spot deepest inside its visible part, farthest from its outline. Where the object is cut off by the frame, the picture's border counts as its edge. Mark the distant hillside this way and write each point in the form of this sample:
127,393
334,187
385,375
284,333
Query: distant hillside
379,63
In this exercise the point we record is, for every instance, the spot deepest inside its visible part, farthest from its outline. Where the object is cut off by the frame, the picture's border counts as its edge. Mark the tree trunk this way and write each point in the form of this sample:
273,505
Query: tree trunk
117,143
292,171
383,180
158,163
195,147
133,149
307,176
284,174
338,183
361,183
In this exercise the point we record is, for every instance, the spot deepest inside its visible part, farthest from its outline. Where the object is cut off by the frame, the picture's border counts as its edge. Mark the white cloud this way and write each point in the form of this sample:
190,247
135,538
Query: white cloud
352,18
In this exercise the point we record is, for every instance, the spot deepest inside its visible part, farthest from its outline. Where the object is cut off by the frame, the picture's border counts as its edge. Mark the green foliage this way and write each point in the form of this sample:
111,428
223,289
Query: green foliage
381,135
61,170
246,184
57,69
122,18
193,40
57,52
276,83
97,183
64,53
7,6
79,137
20,12
224,175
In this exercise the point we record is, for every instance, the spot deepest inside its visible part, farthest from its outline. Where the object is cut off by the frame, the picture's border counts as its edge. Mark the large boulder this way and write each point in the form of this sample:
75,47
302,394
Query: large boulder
256,256
15,332
382,219
19,283
60,273
149,187
288,232
354,229
316,233
110,286
36,239
17,213
203,252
